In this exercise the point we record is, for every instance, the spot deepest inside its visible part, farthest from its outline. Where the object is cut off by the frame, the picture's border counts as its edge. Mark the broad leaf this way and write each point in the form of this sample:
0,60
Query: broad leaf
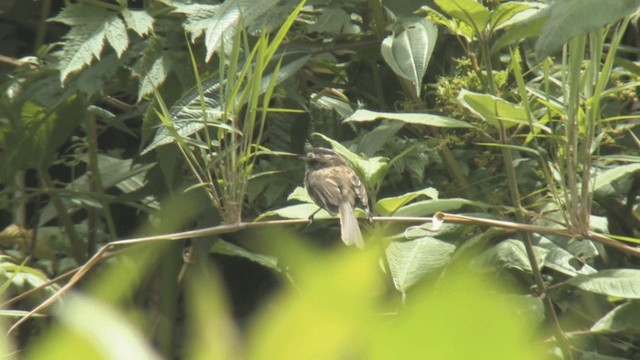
409,48
509,13
568,18
624,318
624,283
605,179
388,206
410,261
509,254
429,207
569,261
493,110
363,115
470,12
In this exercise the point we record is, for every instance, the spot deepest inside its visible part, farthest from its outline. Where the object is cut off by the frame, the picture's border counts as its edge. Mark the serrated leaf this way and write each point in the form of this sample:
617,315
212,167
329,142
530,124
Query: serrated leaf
138,20
410,261
223,25
624,283
388,206
624,318
493,109
363,115
408,50
91,26
568,18
198,18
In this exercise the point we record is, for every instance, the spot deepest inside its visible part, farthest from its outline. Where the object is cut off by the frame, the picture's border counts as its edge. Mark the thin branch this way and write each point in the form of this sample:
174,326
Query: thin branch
229,228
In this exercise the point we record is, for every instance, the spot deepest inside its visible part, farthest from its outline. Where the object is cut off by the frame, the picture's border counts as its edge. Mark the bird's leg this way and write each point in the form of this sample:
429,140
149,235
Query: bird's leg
312,215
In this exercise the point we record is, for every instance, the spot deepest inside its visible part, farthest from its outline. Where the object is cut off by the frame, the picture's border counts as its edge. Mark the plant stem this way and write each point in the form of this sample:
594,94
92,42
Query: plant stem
77,246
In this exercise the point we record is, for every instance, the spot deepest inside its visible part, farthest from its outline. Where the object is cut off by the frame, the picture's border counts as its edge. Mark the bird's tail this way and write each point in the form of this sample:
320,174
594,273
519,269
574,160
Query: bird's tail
349,228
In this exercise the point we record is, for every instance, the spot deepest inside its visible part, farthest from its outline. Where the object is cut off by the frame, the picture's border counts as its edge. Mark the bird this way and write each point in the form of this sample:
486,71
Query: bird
335,187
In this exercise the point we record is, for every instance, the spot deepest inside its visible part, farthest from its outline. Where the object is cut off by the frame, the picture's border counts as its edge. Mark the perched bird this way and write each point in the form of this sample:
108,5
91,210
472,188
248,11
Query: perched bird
334,186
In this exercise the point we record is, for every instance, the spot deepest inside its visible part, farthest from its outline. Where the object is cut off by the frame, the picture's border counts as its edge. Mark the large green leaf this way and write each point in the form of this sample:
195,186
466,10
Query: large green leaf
429,207
409,48
512,12
508,254
604,180
625,317
388,206
493,110
623,283
410,261
91,27
568,18
470,12
363,115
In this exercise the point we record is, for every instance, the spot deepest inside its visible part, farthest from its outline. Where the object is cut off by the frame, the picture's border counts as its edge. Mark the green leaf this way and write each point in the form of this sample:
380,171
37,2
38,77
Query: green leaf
521,29
605,179
570,260
624,318
470,12
91,26
624,283
372,169
408,50
568,18
363,115
91,329
138,20
493,110
186,113
226,248
509,13
388,206
508,254
410,261
429,207
223,25
198,18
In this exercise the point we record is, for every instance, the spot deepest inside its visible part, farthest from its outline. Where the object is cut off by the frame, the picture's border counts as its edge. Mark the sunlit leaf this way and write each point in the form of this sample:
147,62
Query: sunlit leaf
408,50
389,205
493,110
410,261
624,283
363,115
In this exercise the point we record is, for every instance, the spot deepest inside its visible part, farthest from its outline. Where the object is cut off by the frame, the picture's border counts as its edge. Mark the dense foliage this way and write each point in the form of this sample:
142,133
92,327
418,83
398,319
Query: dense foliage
150,180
